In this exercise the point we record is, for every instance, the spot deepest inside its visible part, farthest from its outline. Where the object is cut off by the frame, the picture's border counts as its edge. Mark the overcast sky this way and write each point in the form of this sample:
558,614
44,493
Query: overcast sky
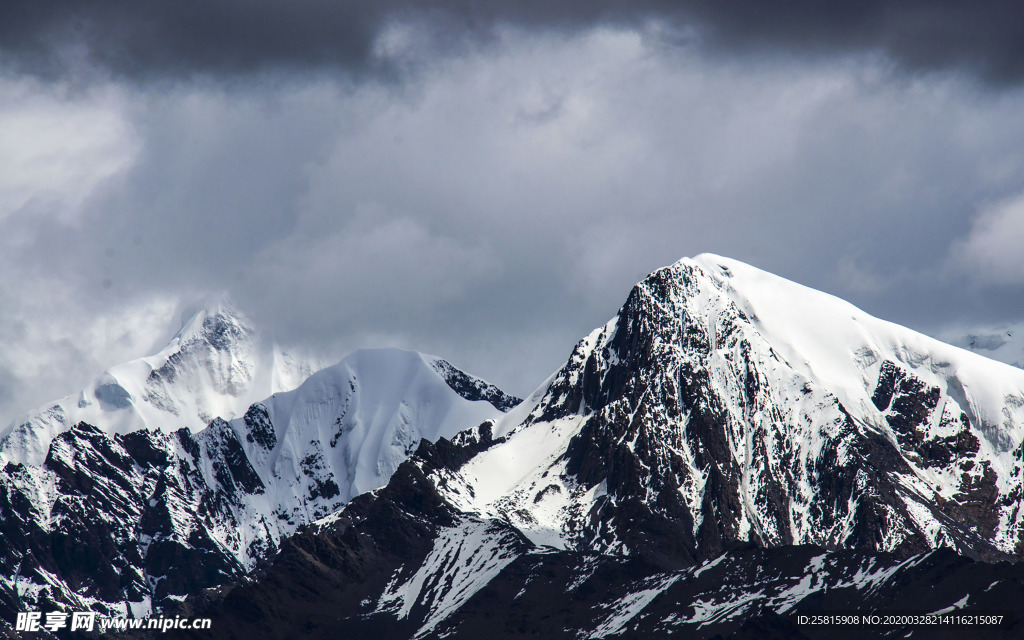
485,181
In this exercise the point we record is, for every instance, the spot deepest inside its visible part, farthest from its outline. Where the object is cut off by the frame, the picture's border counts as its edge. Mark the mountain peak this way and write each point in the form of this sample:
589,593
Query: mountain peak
727,406
723,412
216,365
200,321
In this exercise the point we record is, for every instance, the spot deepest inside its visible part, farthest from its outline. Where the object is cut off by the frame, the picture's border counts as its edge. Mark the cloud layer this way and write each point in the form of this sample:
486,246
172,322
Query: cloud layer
496,204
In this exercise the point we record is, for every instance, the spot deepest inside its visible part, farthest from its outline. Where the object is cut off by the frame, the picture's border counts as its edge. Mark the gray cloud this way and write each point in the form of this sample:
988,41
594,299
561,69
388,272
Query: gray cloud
149,39
491,209
498,208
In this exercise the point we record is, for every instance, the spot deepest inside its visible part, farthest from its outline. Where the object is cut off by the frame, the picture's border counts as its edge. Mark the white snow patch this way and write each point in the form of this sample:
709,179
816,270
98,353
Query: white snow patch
631,605
956,606
463,560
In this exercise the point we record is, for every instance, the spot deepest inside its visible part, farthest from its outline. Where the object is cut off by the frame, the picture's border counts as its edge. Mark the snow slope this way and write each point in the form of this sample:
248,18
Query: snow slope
346,429
831,341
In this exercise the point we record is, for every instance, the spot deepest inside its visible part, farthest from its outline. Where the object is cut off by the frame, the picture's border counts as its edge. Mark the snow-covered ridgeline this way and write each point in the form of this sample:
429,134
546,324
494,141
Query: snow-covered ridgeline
344,432
838,345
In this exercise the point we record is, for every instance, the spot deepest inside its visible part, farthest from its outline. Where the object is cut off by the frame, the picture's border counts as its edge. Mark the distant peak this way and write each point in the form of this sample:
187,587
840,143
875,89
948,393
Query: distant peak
217,320
391,362
210,305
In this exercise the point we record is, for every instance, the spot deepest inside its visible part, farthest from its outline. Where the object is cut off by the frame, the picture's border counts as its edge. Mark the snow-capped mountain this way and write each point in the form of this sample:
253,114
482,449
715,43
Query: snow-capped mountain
118,521
763,411
217,365
722,411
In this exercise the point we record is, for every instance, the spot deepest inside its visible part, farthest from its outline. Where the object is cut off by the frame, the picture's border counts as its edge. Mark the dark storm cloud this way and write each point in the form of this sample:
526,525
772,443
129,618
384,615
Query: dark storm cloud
154,38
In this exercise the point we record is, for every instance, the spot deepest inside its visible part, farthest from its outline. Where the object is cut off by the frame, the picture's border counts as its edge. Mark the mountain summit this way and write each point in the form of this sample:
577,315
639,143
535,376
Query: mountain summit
724,405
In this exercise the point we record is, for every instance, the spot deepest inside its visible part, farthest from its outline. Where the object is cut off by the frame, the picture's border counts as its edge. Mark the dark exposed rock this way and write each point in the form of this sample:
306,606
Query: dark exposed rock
330,585
231,466
474,389
260,430
141,446
113,533
889,376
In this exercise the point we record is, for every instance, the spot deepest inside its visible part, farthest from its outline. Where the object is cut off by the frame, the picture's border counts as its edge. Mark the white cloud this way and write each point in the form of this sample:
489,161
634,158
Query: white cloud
55,147
994,249
53,343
